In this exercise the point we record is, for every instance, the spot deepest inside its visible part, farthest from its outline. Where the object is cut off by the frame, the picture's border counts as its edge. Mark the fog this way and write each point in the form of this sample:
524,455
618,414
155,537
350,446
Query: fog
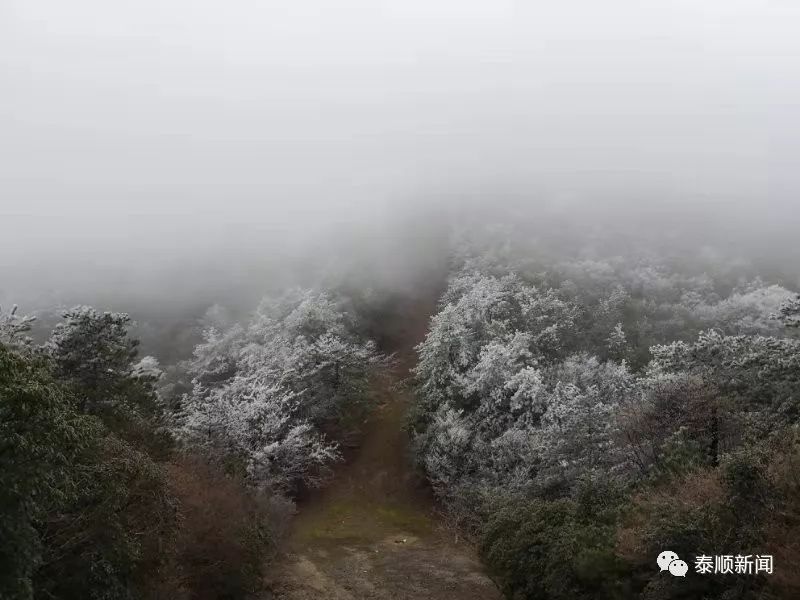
191,148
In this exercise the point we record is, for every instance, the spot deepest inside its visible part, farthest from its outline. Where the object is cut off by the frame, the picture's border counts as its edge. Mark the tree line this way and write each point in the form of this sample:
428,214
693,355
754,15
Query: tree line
579,414
120,479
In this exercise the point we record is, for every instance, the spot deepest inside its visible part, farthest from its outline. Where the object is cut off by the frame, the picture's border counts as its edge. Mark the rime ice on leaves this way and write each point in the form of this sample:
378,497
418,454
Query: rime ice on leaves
261,391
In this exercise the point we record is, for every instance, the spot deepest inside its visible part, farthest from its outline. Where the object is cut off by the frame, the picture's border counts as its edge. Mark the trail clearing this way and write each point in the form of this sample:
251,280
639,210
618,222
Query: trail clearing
373,532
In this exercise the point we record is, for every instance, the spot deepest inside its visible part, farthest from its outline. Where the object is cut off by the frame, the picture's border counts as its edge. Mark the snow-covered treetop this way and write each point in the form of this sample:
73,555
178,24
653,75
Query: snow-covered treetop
790,312
14,327
262,389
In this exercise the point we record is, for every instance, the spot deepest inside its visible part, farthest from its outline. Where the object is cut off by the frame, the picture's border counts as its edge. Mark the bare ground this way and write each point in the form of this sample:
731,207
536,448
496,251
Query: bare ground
373,534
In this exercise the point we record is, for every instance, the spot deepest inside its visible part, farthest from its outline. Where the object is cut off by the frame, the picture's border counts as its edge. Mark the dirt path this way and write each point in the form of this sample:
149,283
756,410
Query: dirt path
373,534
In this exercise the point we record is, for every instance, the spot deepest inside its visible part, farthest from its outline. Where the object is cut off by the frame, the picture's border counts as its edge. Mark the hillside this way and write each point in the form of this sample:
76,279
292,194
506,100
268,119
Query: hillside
374,532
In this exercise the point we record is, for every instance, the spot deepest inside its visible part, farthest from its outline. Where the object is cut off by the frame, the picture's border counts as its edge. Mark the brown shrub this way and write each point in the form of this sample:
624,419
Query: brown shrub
653,509
783,528
227,533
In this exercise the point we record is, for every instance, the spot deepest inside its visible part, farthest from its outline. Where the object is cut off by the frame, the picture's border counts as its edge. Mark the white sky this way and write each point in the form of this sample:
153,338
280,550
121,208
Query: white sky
150,126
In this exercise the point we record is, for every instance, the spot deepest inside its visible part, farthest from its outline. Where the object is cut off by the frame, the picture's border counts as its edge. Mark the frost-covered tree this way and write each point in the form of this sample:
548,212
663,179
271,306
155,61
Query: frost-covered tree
760,374
748,310
617,342
14,328
306,340
534,430
501,404
576,436
489,328
216,317
560,393
790,312
147,368
261,391
253,418
215,359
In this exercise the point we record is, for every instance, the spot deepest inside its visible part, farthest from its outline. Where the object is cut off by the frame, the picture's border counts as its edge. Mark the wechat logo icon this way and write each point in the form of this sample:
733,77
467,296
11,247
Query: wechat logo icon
669,561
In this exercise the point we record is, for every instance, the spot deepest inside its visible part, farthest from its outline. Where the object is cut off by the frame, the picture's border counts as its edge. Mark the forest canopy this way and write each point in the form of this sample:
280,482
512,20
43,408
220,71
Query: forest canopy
580,415
576,409
121,479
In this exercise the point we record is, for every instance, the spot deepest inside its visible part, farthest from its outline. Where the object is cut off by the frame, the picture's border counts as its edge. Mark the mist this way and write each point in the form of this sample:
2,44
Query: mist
370,299
161,152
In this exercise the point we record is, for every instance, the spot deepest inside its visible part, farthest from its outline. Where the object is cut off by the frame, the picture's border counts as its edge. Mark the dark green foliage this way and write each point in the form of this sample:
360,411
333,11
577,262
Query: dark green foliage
743,506
92,350
94,502
82,513
93,354
42,441
749,490
547,550
107,543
